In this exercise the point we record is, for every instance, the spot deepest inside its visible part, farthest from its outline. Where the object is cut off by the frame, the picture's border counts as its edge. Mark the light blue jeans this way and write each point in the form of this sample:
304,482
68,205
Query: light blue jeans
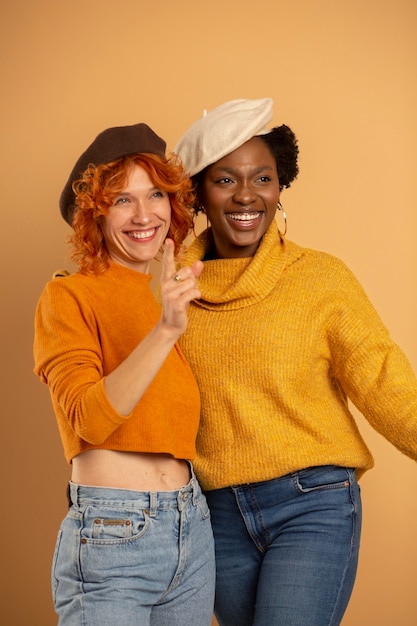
135,558
287,549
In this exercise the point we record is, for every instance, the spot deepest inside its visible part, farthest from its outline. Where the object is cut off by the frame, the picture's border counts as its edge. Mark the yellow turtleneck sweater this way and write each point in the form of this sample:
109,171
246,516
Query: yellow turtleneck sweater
277,343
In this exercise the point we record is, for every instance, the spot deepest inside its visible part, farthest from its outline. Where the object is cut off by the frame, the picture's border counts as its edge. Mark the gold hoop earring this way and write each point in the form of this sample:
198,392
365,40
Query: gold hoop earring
284,215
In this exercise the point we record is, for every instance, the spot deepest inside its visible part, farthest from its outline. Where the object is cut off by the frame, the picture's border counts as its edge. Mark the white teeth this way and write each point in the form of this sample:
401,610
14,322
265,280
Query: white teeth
143,234
243,217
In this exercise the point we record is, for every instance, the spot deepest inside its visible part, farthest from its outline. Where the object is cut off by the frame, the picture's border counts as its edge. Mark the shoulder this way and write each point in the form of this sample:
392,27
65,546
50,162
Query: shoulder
64,282
69,293
318,261
91,291
323,273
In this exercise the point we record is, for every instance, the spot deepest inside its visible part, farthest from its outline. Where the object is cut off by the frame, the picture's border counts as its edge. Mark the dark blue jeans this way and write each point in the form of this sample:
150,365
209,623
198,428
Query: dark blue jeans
287,549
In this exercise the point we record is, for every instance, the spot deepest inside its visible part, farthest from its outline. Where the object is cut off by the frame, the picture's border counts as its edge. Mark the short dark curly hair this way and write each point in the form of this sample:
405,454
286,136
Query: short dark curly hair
283,145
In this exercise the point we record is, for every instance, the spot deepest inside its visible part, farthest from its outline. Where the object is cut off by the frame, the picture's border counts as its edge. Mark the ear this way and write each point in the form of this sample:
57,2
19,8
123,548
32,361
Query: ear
200,208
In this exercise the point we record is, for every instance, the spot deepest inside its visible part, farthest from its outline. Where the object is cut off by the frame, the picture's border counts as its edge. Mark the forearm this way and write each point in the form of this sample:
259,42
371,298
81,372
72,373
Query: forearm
126,385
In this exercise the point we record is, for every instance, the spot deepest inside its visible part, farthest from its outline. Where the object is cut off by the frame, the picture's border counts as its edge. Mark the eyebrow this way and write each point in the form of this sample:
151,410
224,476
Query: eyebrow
231,170
129,193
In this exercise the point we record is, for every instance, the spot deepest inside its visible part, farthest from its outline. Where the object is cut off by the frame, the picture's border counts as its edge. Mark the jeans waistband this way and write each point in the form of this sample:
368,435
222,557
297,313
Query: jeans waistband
82,495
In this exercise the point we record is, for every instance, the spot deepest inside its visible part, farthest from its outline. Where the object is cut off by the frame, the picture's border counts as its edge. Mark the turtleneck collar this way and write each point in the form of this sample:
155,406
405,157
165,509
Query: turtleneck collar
235,283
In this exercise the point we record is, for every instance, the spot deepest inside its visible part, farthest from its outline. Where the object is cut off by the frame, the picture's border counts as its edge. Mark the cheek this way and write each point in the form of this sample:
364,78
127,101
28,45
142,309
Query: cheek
110,225
212,195
168,212
165,217
272,198
214,204
212,213
113,219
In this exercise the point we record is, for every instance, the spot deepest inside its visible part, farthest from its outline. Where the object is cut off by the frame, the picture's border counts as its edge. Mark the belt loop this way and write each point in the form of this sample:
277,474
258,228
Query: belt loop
194,484
196,490
153,503
180,499
73,494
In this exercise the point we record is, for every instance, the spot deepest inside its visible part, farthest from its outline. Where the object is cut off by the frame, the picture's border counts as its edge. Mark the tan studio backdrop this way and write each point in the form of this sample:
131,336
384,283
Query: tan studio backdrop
343,76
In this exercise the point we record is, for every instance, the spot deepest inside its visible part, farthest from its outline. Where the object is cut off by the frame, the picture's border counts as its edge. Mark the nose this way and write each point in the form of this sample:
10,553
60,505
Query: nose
140,214
244,193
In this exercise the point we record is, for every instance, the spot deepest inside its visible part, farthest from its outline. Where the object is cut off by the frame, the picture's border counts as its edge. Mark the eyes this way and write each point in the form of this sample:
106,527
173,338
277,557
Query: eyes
121,201
128,199
229,181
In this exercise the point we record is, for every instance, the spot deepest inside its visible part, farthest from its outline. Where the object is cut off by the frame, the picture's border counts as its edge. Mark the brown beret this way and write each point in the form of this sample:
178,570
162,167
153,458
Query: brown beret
109,145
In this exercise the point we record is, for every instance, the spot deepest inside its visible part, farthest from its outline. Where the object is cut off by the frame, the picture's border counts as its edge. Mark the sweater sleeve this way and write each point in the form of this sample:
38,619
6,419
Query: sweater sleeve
68,359
371,368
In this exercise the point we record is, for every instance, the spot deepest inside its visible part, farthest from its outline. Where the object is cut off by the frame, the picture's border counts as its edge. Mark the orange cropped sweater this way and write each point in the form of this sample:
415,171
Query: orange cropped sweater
85,326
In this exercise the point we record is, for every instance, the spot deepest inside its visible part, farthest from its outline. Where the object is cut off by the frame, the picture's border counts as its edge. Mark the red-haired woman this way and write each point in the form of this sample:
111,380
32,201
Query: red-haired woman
136,546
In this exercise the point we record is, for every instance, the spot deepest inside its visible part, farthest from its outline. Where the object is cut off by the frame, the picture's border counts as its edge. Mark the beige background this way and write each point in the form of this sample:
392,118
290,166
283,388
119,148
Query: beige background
343,76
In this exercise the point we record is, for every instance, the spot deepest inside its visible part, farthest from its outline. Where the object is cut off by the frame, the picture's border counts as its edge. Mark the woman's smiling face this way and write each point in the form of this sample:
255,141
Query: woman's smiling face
240,194
138,222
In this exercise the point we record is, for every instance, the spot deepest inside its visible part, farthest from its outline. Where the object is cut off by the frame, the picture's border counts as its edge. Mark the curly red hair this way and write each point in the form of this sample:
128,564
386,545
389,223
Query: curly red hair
100,184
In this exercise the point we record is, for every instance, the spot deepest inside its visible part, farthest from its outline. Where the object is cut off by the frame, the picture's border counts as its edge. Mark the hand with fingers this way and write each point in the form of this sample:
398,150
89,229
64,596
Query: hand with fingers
178,289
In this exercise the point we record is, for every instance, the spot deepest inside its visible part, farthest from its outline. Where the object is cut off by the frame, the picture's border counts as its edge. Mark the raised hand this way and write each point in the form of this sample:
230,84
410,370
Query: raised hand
178,289
126,385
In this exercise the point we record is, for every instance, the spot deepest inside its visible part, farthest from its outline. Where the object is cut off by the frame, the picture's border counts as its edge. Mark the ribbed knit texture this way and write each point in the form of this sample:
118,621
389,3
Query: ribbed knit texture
277,344
84,327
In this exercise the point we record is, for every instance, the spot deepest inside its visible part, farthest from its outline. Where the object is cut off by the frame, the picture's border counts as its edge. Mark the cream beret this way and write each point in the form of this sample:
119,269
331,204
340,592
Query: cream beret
222,130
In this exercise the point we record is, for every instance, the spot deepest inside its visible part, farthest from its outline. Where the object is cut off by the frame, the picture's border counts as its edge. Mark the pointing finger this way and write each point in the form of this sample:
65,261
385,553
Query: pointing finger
168,260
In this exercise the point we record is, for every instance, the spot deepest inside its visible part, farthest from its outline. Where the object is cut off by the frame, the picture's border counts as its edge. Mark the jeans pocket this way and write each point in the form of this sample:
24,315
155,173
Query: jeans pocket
107,525
323,478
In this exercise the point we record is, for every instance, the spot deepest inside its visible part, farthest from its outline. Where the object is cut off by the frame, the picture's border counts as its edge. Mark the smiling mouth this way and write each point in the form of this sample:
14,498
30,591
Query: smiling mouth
244,217
143,234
